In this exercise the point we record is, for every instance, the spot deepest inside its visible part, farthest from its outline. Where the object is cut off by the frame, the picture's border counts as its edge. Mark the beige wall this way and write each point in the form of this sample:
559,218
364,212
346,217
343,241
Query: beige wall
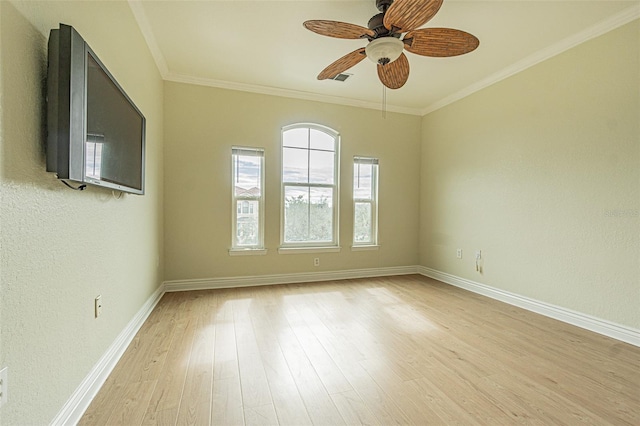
201,126
542,172
62,248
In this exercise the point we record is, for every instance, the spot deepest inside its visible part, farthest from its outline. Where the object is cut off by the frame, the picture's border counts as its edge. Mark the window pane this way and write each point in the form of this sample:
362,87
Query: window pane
321,167
321,140
321,214
247,175
363,232
296,214
362,182
247,228
295,165
296,138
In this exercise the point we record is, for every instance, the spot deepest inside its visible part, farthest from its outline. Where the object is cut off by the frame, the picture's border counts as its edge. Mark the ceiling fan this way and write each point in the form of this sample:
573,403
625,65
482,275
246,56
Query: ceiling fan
386,46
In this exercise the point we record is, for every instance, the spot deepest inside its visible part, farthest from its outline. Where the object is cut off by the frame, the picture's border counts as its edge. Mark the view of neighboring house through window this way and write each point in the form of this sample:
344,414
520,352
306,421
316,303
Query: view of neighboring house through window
309,186
365,201
248,198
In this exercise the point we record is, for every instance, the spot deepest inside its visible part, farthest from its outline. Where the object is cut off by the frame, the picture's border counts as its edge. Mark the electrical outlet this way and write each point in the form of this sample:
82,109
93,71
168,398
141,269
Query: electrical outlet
98,306
4,386
479,254
316,261
459,253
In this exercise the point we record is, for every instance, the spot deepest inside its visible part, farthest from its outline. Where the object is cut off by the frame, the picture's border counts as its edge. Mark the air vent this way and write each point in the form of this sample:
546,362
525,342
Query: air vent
341,77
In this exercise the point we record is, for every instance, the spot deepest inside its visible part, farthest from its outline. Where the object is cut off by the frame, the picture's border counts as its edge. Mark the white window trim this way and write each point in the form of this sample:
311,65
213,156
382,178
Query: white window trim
247,252
367,245
239,250
320,246
317,249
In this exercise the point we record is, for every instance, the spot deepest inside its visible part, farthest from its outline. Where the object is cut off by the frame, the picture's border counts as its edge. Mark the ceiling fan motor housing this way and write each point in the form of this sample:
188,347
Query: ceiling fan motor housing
376,25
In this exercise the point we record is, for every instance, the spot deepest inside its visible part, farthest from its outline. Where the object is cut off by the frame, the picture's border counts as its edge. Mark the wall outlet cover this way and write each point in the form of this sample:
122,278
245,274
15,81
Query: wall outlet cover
98,306
4,386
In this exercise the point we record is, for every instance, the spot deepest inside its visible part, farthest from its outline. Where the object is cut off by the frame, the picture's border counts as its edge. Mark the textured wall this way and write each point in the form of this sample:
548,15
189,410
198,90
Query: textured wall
542,172
60,248
203,123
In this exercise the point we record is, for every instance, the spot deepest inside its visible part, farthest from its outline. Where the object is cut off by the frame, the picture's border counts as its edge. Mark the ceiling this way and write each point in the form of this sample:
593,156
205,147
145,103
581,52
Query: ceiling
261,46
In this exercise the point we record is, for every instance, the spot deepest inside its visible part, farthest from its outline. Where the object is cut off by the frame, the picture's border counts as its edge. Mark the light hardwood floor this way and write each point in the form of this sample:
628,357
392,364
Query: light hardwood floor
393,350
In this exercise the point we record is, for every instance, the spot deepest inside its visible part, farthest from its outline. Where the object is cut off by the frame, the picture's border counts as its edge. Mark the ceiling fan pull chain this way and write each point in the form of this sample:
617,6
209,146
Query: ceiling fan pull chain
384,101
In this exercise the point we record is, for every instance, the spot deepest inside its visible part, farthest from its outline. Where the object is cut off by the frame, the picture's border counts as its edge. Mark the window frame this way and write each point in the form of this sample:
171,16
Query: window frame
311,246
373,201
240,249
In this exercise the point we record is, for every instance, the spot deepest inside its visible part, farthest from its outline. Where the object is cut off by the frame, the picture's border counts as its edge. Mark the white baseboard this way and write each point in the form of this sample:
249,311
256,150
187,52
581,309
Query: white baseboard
304,277
79,401
588,322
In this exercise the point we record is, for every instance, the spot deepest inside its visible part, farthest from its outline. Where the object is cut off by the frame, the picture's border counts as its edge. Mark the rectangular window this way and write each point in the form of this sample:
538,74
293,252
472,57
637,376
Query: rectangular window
248,198
365,201
309,187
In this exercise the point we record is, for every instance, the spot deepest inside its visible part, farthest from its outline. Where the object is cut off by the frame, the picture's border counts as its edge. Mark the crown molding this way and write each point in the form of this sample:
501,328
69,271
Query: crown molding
145,28
286,93
603,27
630,14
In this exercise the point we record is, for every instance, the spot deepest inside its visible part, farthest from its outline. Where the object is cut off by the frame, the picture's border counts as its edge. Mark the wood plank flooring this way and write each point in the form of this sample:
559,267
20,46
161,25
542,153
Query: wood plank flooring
382,351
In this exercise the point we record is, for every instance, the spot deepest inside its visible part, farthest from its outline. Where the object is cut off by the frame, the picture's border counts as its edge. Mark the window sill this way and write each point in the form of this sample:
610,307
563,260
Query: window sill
247,252
365,247
299,250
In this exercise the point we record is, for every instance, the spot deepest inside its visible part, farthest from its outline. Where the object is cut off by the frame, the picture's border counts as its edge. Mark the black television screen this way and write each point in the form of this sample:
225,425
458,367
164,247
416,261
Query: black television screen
96,134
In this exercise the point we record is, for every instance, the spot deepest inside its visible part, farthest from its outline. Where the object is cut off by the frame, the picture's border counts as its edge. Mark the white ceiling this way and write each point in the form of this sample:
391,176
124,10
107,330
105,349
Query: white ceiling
261,46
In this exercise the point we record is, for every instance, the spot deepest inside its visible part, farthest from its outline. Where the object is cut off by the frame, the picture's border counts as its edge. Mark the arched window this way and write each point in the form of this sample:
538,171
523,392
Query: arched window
310,158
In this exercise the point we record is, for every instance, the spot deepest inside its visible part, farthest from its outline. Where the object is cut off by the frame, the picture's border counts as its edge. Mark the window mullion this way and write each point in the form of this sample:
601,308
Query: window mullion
304,185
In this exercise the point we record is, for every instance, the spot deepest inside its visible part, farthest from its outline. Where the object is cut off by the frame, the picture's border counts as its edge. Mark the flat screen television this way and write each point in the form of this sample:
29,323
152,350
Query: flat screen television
95,133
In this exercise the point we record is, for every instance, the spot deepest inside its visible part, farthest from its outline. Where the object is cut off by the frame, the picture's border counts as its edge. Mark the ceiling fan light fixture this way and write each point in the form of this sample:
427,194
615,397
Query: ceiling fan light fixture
384,50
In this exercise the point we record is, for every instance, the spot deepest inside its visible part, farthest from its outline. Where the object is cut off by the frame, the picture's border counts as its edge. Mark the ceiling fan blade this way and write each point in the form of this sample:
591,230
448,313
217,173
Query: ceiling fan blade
342,64
407,15
440,42
395,74
338,29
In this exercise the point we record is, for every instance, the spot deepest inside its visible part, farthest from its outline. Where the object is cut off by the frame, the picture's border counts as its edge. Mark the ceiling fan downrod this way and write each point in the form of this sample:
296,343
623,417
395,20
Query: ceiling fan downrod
383,5
376,23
